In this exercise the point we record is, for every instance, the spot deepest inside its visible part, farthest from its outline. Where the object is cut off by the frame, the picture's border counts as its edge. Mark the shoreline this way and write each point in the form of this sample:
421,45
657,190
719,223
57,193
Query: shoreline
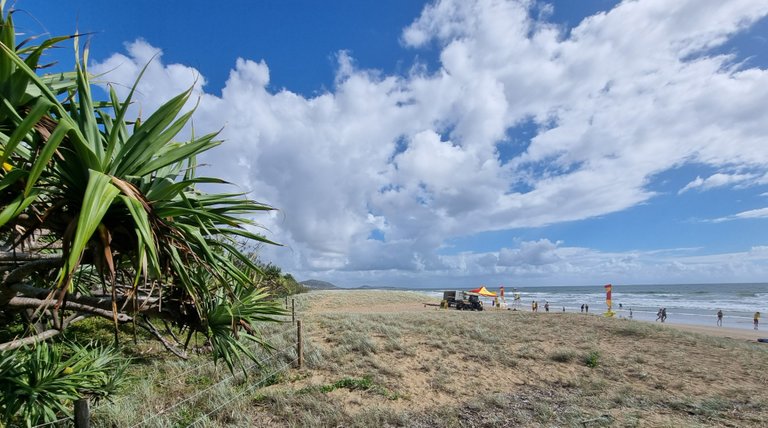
728,332
738,333
418,305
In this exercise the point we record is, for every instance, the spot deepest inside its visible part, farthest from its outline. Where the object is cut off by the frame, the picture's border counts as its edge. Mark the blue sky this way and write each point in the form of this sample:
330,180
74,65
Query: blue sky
463,142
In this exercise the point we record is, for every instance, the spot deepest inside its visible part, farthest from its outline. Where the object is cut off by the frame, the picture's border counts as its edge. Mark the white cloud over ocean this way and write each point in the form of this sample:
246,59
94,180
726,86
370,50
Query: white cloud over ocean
374,177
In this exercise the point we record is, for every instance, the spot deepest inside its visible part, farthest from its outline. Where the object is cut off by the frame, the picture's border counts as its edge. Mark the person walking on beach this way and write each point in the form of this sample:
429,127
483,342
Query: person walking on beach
663,314
546,306
586,308
658,315
719,317
582,308
757,319
630,313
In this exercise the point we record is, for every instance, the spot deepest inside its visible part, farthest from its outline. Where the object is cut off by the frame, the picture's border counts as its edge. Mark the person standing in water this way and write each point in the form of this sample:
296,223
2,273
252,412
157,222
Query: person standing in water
757,319
719,317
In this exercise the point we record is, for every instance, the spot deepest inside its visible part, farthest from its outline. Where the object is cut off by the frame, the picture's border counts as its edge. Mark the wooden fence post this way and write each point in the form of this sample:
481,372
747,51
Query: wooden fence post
286,302
293,311
82,413
299,345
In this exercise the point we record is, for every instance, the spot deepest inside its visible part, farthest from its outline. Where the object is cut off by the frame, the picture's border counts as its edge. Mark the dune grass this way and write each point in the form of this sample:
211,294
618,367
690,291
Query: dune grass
428,367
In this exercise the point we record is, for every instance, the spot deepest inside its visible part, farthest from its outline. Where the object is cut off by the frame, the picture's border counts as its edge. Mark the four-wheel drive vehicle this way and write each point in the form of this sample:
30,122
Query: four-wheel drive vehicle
471,302
462,300
449,298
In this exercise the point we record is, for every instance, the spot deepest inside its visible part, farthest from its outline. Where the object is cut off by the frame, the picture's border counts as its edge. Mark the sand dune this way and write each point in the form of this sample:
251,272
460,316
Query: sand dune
425,366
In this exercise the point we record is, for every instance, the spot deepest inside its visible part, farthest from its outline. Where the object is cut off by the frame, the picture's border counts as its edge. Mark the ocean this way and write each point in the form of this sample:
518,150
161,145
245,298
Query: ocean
685,303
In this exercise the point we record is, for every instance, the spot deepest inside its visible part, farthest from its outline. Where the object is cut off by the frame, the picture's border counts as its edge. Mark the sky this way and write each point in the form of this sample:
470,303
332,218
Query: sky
456,143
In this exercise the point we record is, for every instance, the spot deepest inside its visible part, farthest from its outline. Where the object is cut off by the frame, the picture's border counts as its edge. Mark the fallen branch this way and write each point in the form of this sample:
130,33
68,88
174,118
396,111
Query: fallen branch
21,272
10,256
18,343
146,325
102,302
26,269
31,302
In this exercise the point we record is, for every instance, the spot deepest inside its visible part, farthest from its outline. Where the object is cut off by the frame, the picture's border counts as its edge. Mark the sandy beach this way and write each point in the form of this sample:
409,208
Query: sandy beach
733,333
425,366
343,304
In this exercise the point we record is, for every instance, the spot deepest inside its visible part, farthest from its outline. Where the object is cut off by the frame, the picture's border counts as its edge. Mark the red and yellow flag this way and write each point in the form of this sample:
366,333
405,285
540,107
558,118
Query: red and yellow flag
608,295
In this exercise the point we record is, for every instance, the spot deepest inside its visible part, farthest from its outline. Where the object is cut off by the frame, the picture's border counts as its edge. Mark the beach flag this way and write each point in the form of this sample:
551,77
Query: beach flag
608,289
501,291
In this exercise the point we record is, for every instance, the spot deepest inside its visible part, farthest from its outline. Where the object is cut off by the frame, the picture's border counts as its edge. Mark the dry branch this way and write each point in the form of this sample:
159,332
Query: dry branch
39,337
146,325
11,256
102,302
28,268
29,340
30,302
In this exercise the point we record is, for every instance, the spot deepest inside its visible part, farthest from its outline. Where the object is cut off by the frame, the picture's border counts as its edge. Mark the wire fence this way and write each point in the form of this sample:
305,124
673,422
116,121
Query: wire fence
239,396
194,369
54,423
236,375
272,362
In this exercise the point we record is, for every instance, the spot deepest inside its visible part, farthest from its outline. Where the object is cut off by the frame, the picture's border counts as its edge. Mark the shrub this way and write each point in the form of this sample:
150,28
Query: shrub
39,382
563,356
592,359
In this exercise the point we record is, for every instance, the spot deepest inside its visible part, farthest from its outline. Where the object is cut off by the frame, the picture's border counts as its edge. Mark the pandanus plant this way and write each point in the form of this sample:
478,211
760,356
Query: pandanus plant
103,216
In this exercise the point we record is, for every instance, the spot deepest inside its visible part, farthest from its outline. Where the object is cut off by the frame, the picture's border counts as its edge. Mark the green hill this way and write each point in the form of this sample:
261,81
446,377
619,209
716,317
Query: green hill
314,284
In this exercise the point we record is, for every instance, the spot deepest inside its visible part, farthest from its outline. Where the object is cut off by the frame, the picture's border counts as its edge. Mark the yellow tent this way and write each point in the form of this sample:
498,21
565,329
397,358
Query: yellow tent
482,291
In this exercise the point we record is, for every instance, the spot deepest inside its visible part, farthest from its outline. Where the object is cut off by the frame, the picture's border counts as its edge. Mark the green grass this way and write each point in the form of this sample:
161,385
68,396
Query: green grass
592,359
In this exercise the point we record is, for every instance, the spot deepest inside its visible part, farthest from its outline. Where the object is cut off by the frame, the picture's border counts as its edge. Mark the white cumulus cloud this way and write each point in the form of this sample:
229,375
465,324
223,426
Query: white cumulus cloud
373,177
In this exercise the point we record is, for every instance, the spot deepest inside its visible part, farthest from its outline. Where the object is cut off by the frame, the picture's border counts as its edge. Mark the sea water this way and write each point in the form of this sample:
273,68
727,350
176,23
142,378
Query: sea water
685,303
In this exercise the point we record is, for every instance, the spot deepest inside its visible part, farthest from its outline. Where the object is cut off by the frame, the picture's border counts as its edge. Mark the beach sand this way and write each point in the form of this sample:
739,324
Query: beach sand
733,333
515,368
342,303
419,303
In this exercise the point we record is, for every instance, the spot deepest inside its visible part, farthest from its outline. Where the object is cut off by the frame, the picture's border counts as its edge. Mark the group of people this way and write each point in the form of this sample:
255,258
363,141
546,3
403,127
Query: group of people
755,319
535,306
661,315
